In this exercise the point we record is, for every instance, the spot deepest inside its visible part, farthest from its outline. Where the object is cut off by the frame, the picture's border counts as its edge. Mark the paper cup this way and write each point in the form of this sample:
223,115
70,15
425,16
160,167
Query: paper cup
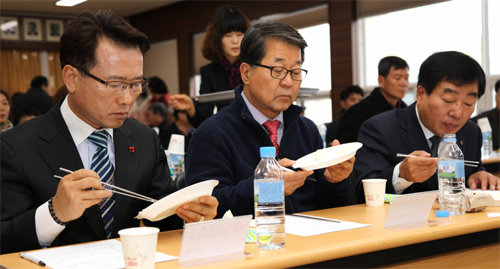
139,246
374,191
176,145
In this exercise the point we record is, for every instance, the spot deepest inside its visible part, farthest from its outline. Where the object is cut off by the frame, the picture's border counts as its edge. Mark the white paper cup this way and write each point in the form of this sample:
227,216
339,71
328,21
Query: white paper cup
176,144
374,191
139,246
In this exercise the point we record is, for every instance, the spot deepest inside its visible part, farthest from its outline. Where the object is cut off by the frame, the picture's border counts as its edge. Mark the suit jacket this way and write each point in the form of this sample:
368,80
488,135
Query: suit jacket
213,79
31,155
398,131
35,97
350,122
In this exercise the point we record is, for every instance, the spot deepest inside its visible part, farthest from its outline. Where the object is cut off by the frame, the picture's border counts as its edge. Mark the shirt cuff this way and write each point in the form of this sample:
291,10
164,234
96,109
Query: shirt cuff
400,184
46,228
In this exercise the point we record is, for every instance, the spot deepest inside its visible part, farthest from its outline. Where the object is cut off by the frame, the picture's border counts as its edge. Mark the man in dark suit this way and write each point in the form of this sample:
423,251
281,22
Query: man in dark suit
37,96
449,85
393,84
103,81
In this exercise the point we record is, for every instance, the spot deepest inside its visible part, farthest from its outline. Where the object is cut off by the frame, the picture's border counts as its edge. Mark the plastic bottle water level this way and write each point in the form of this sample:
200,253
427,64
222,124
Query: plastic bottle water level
452,195
270,226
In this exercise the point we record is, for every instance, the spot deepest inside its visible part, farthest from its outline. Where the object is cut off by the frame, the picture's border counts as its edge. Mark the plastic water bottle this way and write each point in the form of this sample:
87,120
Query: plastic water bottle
451,176
487,149
269,201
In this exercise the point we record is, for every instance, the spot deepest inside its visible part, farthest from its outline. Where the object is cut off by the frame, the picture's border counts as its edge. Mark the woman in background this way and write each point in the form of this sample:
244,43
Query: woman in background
5,123
221,45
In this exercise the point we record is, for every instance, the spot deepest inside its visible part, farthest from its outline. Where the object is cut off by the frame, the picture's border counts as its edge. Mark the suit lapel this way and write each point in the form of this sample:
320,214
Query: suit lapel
126,170
59,150
414,138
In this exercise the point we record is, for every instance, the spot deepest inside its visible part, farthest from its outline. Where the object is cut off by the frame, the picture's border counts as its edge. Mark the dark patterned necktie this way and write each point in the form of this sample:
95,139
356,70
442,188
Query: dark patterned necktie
272,128
435,140
104,168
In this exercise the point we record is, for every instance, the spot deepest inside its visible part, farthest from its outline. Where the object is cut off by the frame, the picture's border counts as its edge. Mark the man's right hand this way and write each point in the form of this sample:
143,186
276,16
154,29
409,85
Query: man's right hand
76,192
418,169
293,180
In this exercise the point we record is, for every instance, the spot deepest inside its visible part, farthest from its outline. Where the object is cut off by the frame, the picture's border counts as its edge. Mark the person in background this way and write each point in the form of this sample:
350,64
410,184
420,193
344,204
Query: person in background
226,146
393,84
348,97
24,114
60,94
37,96
493,116
140,107
5,123
88,132
157,116
449,84
221,46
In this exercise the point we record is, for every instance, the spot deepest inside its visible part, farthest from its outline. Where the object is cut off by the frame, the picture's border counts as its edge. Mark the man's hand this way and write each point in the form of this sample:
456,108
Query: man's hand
338,172
484,180
293,180
76,192
182,102
418,169
206,209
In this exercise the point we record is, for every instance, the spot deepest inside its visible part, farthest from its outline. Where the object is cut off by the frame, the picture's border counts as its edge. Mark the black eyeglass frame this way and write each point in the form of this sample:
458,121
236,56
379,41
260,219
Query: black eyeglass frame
287,71
144,81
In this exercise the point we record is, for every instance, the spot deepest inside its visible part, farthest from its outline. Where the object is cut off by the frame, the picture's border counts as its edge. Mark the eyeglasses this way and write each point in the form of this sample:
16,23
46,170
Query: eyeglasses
279,72
117,86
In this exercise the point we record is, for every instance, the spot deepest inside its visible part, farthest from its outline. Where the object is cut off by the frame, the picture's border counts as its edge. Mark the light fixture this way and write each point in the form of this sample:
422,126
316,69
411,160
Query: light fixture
69,3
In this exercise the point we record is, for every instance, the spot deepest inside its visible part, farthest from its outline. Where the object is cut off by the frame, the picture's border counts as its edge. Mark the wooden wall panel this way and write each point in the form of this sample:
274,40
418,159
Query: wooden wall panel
18,68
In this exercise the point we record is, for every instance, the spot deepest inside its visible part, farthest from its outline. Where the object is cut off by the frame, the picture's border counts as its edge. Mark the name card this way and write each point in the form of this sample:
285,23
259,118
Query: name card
410,210
215,240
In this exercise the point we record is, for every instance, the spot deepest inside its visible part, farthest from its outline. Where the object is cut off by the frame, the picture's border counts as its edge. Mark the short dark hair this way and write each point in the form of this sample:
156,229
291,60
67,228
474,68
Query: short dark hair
159,108
225,19
6,95
24,110
497,86
345,93
39,81
157,85
385,64
253,47
79,40
451,66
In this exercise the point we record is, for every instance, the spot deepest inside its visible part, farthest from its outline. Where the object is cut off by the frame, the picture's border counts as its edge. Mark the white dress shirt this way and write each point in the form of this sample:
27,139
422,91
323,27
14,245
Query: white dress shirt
400,184
46,228
261,118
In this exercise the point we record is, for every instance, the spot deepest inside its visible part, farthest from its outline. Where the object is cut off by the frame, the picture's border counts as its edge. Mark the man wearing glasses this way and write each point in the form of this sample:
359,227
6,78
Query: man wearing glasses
89,133
226,146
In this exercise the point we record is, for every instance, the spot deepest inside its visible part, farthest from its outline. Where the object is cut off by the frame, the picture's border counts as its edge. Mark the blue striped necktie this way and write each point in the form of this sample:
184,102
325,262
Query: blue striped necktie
104,168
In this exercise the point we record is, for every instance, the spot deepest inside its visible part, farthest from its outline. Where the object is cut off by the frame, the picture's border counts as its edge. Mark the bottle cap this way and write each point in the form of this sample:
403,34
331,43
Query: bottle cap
442,213
267,151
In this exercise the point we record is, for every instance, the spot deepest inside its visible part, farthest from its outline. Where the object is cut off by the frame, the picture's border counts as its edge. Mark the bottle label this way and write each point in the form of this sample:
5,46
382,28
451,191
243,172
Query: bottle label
451,169
487,136
270,192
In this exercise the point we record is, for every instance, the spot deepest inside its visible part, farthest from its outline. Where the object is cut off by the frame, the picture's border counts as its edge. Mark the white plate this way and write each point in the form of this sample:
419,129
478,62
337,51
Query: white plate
328,156
166,206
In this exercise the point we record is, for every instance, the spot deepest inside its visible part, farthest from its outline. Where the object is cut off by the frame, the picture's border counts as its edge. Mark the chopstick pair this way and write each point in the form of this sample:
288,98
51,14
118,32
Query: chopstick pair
116,189
466,163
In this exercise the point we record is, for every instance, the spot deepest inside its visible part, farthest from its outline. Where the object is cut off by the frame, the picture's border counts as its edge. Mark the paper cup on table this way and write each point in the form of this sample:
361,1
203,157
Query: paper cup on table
139,246
176,144
374,191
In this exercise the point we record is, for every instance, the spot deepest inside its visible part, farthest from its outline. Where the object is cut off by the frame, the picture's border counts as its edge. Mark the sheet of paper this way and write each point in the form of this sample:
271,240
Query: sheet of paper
105,254
410,210
494,194
307,227
215,240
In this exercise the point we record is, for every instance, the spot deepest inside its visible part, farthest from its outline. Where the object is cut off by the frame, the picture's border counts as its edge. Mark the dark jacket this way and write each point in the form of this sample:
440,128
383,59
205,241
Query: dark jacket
398,131
31,155
35,97
213,79
226,147
351,121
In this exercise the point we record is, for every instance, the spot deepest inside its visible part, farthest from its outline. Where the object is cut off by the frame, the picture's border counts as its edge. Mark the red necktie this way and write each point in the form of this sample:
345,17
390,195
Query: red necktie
272,128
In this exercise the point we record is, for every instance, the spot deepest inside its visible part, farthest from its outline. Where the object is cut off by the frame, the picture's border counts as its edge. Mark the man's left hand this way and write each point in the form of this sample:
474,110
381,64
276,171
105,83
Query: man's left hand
338,172
206,209
483,180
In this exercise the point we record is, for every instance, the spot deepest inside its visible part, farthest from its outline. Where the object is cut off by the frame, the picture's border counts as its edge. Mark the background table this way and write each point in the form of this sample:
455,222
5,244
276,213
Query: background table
335,249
